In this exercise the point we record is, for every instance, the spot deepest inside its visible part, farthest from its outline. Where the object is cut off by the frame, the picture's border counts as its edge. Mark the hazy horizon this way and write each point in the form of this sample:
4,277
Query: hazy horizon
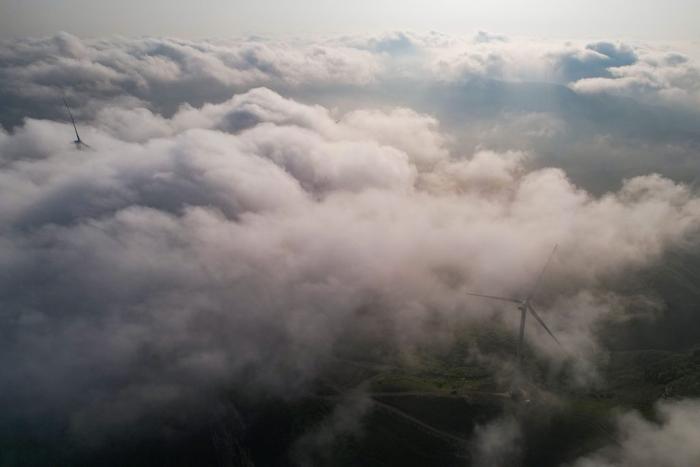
574,19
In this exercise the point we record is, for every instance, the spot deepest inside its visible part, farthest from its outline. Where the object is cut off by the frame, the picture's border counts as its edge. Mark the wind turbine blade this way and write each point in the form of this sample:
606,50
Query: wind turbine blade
539,320
70,114
539,278
493,297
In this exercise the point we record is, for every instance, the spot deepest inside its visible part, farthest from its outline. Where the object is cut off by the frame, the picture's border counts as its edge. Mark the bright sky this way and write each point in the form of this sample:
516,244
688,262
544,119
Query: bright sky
640,19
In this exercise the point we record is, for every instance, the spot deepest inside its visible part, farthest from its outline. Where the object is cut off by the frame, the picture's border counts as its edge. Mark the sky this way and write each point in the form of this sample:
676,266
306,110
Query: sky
644,19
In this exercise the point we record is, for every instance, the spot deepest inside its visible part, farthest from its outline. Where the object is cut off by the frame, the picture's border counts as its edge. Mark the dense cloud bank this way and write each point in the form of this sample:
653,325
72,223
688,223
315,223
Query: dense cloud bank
248,207
239,243
631,107
156,70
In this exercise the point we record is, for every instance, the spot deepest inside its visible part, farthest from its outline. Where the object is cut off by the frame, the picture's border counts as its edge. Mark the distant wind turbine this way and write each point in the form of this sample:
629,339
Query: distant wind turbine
525,306
79,144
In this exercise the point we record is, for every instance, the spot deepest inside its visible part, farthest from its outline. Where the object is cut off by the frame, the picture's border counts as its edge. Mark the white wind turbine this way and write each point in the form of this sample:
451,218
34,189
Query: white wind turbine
525,307
79,144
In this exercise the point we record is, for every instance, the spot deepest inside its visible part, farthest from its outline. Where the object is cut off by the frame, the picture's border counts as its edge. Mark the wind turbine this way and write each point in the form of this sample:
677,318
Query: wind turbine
79,144
525,307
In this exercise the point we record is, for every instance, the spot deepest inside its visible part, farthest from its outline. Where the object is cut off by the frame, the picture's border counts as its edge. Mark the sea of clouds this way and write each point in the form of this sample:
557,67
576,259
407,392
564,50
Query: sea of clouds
244,203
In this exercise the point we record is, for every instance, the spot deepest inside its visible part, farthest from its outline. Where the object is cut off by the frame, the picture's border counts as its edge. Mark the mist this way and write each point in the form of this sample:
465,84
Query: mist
246,208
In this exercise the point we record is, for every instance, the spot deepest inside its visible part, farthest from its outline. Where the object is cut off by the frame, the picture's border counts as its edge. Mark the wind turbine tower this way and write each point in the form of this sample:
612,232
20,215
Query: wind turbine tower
79,144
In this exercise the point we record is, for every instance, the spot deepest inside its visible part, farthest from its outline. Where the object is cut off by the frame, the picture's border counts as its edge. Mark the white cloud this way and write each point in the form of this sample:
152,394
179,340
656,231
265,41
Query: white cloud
243,232
213,244
669,442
